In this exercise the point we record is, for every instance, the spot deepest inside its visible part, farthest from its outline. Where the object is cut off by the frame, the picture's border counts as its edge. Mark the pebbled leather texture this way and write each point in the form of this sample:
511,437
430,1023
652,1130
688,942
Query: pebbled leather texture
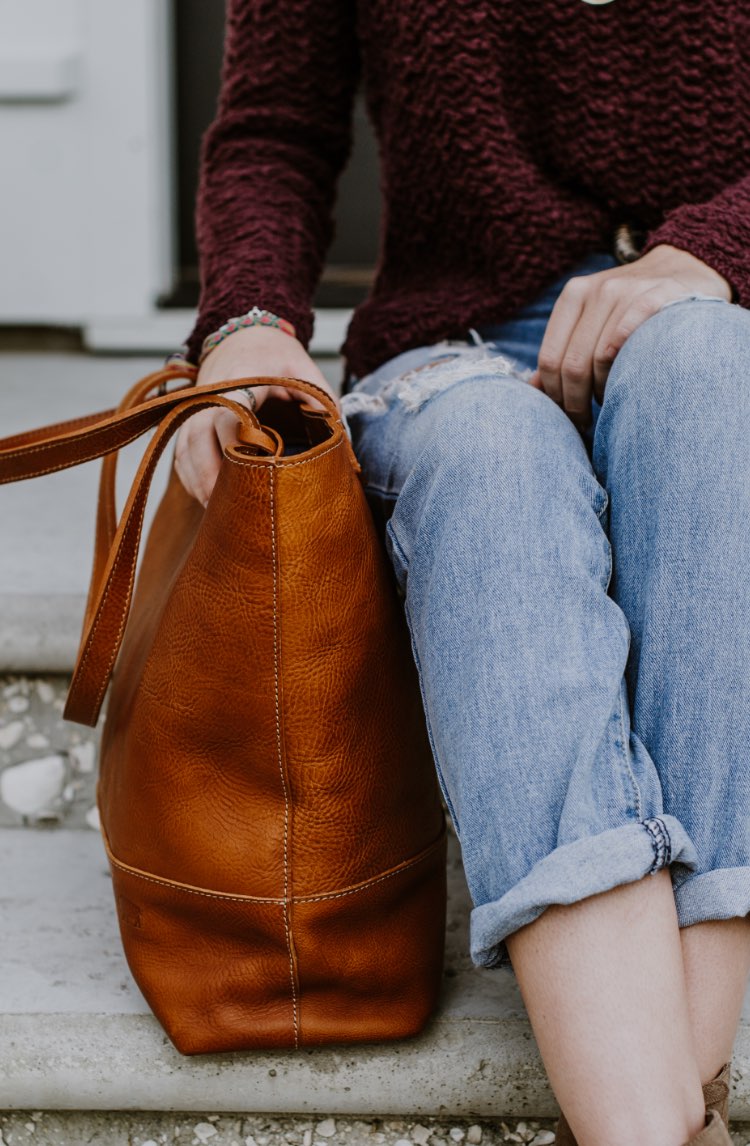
267,794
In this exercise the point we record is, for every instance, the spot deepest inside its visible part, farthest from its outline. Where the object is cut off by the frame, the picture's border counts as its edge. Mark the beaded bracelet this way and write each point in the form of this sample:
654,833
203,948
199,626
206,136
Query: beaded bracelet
254,317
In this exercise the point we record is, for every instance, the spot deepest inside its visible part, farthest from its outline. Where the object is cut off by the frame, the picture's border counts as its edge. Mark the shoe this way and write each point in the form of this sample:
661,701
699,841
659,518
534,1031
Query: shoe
715,1096
716,1093
714,1132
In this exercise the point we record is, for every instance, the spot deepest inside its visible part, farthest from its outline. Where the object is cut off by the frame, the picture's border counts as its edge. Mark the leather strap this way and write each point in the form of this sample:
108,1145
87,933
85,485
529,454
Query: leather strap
70,443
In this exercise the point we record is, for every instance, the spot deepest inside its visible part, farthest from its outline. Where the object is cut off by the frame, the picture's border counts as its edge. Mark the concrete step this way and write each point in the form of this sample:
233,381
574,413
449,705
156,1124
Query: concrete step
77,1034
47,525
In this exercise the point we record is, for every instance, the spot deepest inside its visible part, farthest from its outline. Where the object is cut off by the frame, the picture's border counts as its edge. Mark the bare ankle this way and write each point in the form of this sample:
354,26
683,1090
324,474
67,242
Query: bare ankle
642,1126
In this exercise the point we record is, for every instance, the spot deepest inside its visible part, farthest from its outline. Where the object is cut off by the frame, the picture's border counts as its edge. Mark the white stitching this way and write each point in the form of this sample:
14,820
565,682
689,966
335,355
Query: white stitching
123,617
275,463
301,899
27,437
64,465
276,659
100,428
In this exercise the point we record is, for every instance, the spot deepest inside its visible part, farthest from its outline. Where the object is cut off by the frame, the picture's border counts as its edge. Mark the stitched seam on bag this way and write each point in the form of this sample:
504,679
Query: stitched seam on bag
64,465
25,452
273,463
71,425
280,755
181,887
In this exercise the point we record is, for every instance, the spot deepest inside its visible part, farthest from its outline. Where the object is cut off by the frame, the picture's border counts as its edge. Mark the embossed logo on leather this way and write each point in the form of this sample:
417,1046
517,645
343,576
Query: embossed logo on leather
129,913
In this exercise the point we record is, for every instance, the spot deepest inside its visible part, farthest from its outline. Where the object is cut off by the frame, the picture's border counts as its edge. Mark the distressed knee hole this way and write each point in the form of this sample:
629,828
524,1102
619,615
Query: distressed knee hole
415,387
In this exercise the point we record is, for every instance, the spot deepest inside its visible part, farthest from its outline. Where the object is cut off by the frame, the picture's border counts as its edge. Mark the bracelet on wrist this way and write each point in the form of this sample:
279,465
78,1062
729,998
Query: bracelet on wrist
254,317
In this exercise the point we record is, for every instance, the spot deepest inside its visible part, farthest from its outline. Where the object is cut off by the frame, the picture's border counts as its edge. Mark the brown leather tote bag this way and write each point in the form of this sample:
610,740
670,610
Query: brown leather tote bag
267,795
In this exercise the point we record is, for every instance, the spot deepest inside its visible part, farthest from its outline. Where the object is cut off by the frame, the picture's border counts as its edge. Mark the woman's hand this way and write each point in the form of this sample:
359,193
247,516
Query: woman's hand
595,314
252,352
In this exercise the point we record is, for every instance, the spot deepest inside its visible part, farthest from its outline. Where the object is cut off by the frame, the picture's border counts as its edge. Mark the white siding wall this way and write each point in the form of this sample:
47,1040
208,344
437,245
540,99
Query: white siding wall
86,221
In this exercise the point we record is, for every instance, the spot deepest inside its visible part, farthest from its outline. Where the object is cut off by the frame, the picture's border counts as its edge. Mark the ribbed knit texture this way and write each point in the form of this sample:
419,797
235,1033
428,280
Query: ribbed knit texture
514,136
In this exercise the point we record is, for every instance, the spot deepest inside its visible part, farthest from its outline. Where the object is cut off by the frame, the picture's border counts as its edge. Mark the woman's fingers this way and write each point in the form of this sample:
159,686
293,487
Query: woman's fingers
562,322
198,455
202,439
225,422
590,322
566,356
200,445
623,321
578,366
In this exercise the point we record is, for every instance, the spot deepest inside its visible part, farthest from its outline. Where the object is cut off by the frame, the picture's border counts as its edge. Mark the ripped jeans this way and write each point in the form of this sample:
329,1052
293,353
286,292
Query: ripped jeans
579,607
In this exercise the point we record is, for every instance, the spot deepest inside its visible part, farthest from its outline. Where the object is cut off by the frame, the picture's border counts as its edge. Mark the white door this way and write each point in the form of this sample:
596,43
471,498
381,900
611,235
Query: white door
86,218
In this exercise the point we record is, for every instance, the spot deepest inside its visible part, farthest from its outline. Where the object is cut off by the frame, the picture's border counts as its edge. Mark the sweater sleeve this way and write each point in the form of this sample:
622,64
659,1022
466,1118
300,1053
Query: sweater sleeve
271,159
717,232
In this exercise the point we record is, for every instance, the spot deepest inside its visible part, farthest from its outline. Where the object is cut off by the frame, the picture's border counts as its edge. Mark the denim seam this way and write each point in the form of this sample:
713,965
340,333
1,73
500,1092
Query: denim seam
661,841
431,738
609,568
628,765
397,545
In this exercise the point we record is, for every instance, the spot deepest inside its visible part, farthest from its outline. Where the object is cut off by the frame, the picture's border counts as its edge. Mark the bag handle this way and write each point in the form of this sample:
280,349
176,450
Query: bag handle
66,444
106,517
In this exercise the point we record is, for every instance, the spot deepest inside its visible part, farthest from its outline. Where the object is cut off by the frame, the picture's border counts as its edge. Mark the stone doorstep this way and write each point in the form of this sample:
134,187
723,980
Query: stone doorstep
76,1034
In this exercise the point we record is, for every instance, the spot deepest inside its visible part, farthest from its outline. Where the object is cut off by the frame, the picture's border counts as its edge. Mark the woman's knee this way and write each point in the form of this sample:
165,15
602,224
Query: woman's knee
692,355
499,463
499,431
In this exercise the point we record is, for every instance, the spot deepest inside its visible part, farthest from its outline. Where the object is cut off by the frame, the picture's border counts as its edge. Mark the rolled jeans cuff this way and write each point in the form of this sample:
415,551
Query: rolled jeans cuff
723,893
573,872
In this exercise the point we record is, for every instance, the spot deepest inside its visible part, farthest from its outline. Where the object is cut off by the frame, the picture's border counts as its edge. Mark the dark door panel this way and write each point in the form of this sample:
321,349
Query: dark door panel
198,35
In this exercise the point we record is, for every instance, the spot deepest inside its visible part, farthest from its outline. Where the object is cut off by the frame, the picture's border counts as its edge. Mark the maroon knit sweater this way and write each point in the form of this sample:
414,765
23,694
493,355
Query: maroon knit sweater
514,136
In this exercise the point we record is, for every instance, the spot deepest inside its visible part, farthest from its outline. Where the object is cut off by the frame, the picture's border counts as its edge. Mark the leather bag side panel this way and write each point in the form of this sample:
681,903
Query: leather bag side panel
357,753
190,787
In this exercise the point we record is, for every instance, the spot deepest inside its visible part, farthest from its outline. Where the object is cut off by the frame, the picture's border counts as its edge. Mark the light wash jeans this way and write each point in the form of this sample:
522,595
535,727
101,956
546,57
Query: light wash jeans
579,607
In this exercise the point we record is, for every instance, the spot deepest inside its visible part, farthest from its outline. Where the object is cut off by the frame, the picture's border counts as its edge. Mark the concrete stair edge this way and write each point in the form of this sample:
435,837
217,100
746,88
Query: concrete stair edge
40,633
105,1062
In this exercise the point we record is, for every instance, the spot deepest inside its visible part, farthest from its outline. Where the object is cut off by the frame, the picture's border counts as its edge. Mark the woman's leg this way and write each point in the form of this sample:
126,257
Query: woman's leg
499,545
604,987
717,964
672,445
672,449
534,539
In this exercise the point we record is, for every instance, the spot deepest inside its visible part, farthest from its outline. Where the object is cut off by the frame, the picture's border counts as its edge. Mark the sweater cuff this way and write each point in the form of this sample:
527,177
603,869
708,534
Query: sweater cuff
215,313
718,239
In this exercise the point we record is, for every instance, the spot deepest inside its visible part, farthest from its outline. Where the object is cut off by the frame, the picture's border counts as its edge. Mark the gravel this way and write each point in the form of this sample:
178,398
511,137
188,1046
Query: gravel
47,765
123,1129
